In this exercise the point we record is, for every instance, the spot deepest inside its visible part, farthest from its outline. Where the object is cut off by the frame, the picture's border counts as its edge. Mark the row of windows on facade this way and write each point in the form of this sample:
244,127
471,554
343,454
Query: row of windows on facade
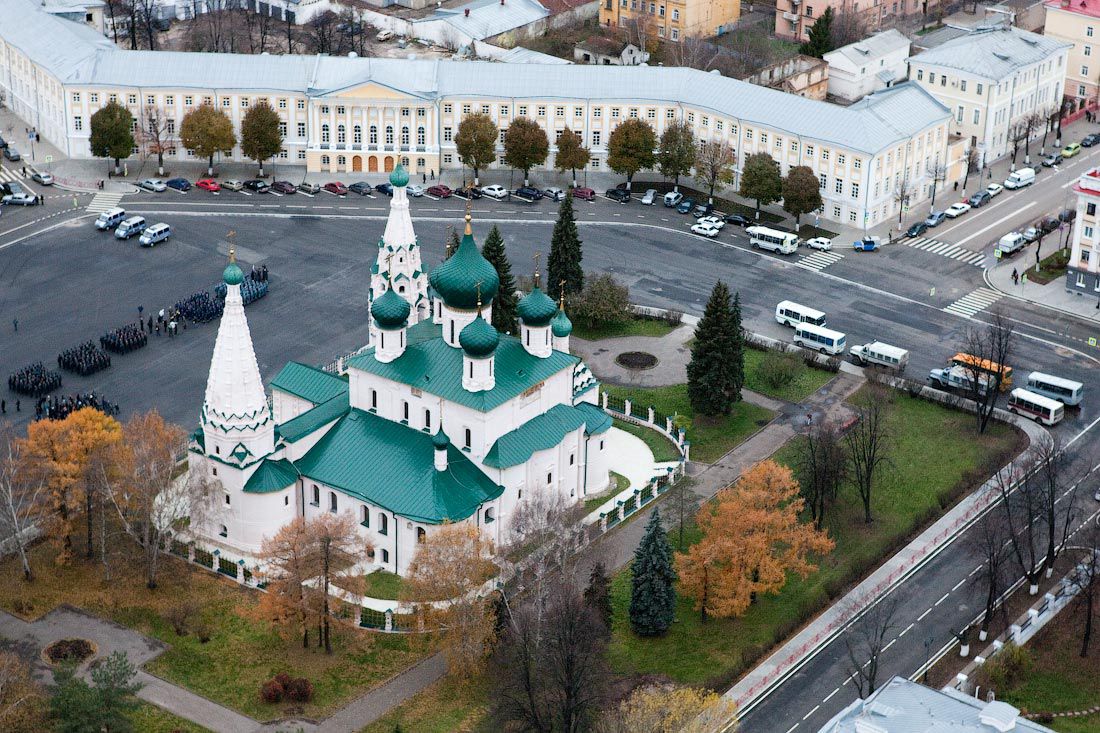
188,100
654,8
372,134
1003,86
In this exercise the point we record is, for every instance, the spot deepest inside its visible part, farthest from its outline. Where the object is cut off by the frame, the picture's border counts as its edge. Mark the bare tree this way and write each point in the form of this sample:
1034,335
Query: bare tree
985,373
641,31
868,442
822,467
973,165
847,27
989,543
681,503
748,51
1086,580
1018,133
116,11
1031,123
695,53
323,36
714,164
936,171
146,13
156,133
866,639
903,192
544,520
22,496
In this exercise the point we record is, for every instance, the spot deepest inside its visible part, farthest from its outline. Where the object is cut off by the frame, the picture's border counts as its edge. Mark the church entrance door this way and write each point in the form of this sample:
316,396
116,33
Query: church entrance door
357,163
372,164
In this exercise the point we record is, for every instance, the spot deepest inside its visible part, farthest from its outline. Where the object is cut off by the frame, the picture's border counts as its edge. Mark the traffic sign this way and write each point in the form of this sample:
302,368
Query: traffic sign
49,158
1092,341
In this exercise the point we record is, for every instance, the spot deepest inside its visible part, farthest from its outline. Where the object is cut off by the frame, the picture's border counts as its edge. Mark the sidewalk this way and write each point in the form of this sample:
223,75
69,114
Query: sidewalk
1053,295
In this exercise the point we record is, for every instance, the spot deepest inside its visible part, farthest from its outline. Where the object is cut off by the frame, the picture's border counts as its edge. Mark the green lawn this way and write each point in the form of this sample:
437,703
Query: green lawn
1052,267
448,706
663,449
807,381
383,585
631,327
148,718
710,438
906,497
618,483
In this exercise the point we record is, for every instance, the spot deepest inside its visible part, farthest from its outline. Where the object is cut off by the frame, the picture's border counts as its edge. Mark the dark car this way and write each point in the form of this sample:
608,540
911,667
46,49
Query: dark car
336,187
440,191
917,229
528,192
739,219
685,206
258,185
3,143
1048,224
360,187
385,188
1089,140
618,194
283,187
981,198
935,218
584,193
12,154
468,192
1052,160
1068,215
702,210
309,188
180,184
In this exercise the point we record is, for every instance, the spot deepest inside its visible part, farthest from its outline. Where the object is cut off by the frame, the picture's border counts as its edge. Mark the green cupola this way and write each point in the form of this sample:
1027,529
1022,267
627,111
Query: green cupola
478,339
458,278
399,177
440,439
390,311
232,274
537,308
560,325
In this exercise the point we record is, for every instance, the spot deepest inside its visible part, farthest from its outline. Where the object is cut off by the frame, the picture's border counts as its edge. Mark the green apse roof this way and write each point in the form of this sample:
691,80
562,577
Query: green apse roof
478,339
294,430
458,278
560,325
544,432
392,466
536,308
390,311
431,365
399,176
271,476
309,383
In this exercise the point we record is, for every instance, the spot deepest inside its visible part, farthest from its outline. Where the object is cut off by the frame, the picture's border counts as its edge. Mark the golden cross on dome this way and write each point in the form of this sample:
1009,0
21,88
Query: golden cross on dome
479,297
561,297
537,256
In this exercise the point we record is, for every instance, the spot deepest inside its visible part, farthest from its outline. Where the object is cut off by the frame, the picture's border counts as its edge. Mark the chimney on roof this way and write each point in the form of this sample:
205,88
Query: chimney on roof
1065,4
467,12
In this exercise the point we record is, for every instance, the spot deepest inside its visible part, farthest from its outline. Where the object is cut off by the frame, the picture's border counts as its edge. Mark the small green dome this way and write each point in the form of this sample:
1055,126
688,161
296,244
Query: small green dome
536,308
440,439
478,339
399,177
390,311
457,279
232,274
561,326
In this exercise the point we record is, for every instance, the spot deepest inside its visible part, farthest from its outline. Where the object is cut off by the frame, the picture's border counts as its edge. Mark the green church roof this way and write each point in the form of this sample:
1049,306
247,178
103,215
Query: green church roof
478,339
271,476
392,466
294,430
440,439
536,308
544,432
399,176
457,279
560,325
431,365
390,311
232,274
310,383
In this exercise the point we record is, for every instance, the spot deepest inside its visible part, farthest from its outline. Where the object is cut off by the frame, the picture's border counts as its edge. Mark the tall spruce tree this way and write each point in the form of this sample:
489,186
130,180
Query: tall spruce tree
737,360
821,36
564,263
652,594
504,304
452,243
712,384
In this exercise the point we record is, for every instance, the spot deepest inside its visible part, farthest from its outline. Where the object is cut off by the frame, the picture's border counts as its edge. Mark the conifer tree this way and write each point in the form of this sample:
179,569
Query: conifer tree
504,304
821,36
737,358
597,595
713,383
652,595
564,263
452,243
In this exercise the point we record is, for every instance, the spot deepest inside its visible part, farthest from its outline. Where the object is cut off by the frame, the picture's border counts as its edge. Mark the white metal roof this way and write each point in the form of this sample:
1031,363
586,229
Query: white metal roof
994,53
521,55
871,48
488,18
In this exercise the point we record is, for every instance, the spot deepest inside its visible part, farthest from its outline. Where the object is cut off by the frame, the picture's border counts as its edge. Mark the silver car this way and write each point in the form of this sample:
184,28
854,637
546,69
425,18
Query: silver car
19,199
650,197
153,184
44,179
415,189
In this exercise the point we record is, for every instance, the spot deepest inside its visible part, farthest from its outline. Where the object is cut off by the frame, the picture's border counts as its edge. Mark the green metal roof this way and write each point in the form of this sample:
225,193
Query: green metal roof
309,383
399,176
457,280
431,365
544,432
560,325
294,430
390,311
271,476
478,338
392,466
536,308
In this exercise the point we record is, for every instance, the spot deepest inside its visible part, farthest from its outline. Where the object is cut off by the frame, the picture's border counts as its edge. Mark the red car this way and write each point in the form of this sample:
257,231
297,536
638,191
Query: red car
440,191
336,187
209,184
586,194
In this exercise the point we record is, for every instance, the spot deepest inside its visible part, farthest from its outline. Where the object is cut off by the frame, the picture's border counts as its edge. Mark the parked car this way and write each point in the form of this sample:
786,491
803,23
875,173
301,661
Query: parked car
415,190
1031,234
42,179
1089,140
1011,243
528,192
867,244
258,185
208,184
706,230
917,229
495,191
154,235
1071,150
584,193
440,191
232,185
1052,160
618,194
673,198
179,184
1048,224
685,205
553,193
12,154
954,211
649,197
935,219
386,188
3,143
360,187
153,184
702,210
994,189
309,188
335,187
823,243
739,219
468,192
715,221
284,187
19,199
980,199
1068,215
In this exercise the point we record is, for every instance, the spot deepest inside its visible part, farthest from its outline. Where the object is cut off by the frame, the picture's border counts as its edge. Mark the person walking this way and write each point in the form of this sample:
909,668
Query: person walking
1015,277
433,174
15,324
3,407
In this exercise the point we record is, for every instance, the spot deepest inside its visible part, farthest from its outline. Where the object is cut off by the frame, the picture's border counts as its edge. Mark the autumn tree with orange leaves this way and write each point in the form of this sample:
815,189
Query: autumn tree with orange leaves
286,559
752,538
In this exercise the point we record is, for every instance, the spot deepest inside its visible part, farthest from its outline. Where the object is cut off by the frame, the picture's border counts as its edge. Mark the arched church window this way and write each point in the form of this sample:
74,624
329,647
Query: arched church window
341,134
490,515
364,516
223,531
389,134
332,501
357,134
341,160
427,418
420,136
383,524
421,535
404,136
469,438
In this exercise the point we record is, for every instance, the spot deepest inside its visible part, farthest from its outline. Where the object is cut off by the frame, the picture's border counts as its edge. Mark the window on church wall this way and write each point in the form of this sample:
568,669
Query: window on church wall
316,495
227,502
427,418
364,516
286,501
549,479
471,370
223,531
490,515
214,470
385,555
421,535
469,438
384,528
332,501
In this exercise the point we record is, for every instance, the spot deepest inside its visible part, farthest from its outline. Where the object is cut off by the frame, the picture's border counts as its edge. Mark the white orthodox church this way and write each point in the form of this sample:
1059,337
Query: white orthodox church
441,419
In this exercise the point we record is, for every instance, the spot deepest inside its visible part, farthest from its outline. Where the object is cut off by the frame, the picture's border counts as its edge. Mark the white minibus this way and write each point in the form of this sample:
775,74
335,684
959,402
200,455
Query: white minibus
785,243
1038,408
791,314
819,338
1065,391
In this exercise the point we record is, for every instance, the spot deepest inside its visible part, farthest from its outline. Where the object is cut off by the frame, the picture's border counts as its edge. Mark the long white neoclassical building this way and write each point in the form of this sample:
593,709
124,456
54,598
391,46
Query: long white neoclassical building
350,115
441,419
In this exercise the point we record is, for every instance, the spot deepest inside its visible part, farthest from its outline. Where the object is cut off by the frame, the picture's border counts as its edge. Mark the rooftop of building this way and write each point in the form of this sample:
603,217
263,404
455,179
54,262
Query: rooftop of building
872,47
994,52
308,382
1090,8
521,55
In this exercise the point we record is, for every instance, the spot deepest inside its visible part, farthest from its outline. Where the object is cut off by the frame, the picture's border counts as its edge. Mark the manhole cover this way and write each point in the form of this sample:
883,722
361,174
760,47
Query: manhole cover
636,360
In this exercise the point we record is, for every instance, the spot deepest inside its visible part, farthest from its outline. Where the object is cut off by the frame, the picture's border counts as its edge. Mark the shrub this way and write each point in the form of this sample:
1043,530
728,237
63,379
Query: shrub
778,369
201,629
283,679
180,615
604,301
1011,665
271,691
300,690
674,318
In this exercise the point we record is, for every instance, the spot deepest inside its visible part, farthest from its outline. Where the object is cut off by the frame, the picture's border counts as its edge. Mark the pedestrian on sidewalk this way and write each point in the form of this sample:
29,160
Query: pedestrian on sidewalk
24,171
1015,277
433,174
15,324
1023,278
423,177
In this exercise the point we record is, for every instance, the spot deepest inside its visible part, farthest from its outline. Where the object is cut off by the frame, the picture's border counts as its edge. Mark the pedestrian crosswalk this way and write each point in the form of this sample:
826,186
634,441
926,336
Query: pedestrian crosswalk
104,201
974,302
11,176
946,249
819,260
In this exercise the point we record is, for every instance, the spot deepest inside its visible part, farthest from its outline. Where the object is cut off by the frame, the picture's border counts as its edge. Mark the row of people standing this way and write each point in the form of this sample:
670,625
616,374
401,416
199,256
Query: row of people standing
84,359
34,380
59,408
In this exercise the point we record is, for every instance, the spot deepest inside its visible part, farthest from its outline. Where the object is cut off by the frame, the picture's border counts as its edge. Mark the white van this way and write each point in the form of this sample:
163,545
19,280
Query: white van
672,198
110,219
825,340
789,313
881,354
1021,178
956,377
155,234
1010,243
384,35
130,227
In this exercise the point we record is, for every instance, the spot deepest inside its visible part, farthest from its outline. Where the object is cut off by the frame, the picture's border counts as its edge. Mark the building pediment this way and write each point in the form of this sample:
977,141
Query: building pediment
372,90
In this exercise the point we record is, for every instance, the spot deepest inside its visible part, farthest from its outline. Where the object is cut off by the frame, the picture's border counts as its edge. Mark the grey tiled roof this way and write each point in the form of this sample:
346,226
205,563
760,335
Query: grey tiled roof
993,53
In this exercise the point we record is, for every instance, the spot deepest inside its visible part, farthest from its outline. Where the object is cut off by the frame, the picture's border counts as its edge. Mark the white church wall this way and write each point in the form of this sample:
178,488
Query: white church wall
285,406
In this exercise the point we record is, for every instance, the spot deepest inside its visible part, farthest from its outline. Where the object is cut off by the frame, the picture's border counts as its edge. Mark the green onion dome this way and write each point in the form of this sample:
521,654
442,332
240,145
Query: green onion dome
390,311
478,339
561,326
458,278
536,308
440,439
232,274
399,177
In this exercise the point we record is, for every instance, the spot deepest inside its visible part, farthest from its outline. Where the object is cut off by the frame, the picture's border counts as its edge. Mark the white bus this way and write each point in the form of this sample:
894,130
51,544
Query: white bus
819,338
1065,391
1038,408
791,314
785,243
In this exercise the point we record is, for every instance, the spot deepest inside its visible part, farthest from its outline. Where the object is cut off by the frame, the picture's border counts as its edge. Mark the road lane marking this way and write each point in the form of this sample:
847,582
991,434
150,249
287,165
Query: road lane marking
958,585
814,710
830,695
1000,221
975,571
792,728
892,642
906,631
945,595
921,617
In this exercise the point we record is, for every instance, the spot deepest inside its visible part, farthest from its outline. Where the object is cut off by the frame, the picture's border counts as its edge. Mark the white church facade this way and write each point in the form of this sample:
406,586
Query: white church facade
442,419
